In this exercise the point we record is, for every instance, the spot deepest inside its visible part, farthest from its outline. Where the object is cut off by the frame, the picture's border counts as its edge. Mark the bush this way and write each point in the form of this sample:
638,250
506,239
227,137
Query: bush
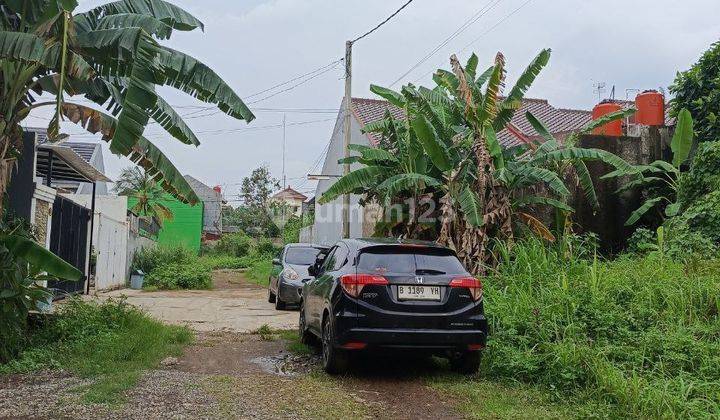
703,176
180,276
640,333
216,262
265,247
147,259
235,244
110,341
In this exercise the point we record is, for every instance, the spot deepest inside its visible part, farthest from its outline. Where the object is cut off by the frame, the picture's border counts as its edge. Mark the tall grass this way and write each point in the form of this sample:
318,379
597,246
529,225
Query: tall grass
640,334
110,342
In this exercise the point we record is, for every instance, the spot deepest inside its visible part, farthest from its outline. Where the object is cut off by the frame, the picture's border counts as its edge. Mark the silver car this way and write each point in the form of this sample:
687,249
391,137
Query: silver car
290,271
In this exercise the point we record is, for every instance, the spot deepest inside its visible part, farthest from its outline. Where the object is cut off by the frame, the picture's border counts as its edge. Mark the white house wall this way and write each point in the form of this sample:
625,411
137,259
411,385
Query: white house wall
328,217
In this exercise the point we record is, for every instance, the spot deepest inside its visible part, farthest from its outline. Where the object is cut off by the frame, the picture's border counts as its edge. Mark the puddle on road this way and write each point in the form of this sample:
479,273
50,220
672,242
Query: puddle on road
286,364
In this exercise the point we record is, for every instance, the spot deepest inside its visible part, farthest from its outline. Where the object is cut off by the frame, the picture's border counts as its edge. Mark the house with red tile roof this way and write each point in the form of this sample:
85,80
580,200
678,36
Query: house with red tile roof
328,217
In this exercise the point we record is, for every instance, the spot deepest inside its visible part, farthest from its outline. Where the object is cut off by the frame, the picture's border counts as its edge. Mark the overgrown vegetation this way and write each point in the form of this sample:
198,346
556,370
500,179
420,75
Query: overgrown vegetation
639,334
181,268
180,276
445,155
110,342
23,264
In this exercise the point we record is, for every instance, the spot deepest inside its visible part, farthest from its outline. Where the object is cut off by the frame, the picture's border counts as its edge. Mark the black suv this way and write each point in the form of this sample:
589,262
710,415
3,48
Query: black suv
377,293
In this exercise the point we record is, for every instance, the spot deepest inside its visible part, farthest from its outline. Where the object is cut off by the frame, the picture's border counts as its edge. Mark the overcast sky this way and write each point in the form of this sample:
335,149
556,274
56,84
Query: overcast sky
255,44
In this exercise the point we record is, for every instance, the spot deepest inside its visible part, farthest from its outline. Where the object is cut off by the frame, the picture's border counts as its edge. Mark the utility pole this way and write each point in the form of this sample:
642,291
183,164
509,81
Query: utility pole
346,143
283,153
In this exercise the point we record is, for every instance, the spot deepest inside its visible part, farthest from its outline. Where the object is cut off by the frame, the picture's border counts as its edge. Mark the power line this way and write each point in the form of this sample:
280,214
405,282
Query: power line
295,78
498,23
381,23
474,18
294,86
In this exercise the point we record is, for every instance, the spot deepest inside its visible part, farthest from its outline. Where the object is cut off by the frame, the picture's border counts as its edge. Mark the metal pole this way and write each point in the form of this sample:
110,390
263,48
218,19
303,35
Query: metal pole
346,143
49,174
283,153
92,226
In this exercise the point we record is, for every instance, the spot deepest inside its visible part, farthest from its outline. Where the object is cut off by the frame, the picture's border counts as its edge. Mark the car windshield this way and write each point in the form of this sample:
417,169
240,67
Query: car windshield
408,261
301,255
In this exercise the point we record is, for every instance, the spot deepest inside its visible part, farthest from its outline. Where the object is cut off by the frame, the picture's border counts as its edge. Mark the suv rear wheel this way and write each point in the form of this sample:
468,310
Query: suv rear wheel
271,295
467,362
334,360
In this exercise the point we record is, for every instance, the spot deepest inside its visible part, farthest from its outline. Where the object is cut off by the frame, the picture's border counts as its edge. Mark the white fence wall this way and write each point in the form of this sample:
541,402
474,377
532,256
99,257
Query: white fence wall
307,234
111,246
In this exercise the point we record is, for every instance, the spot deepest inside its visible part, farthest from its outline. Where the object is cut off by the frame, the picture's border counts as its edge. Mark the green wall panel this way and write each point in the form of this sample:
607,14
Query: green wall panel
186,227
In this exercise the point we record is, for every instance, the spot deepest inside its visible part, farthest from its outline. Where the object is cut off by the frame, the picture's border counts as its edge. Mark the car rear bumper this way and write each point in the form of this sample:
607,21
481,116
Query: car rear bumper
413,338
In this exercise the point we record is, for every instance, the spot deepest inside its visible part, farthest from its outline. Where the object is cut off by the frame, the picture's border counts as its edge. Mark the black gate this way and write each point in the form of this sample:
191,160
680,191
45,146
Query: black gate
69,240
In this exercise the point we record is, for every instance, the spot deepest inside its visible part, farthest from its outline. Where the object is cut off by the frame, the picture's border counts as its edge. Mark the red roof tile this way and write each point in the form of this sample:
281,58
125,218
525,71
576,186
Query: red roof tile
371,110
558,120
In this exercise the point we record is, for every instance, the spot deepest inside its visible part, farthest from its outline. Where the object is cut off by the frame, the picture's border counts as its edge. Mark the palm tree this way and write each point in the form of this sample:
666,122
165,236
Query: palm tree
109,55
450,151
135,182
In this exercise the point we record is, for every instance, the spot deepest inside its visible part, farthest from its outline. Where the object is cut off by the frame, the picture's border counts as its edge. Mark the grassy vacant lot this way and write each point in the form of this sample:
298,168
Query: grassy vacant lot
110,342
639,335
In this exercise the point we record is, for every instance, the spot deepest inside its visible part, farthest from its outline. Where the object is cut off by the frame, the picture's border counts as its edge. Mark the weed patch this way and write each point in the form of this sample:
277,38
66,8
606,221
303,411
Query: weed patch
641,335
111,342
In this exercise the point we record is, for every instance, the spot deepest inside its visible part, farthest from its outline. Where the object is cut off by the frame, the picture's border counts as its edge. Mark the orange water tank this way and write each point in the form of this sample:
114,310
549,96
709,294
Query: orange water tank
613,128
650,108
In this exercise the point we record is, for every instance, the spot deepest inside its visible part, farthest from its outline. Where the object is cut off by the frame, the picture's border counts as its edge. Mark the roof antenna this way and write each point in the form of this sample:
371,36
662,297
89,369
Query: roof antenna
612,93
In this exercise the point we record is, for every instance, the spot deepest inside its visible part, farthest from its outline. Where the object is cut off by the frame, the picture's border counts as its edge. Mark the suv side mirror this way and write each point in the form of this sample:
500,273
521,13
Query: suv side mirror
312,270
276,261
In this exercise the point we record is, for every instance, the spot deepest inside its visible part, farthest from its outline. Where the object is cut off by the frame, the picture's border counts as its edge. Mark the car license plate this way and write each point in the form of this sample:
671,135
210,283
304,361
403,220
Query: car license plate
412,292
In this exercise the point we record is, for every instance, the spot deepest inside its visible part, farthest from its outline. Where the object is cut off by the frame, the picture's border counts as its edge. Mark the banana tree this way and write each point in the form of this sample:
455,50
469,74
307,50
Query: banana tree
481,189
110,55
564,160
22,264
659,178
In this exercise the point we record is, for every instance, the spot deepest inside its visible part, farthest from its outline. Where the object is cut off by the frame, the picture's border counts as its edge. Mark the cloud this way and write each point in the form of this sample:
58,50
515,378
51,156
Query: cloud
255,44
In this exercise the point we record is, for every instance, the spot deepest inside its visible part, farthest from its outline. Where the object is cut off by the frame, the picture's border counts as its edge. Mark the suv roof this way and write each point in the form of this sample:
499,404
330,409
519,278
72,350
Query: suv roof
303,244
368,242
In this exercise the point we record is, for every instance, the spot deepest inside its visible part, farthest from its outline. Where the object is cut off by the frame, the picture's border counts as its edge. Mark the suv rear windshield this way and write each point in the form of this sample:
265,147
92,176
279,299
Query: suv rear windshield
301,255
409,261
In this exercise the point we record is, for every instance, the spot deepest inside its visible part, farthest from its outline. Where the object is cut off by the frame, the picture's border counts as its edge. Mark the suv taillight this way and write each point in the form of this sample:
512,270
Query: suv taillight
471,283
353,284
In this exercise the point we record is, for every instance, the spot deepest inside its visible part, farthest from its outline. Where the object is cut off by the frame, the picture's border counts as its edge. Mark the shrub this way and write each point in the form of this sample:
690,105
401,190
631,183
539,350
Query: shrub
111,341
147,259
180,276
265,246
235,244
215,262
639,333
703,176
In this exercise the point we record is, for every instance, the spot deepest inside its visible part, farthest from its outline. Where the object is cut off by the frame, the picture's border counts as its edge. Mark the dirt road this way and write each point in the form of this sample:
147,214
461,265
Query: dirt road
233,305
230,373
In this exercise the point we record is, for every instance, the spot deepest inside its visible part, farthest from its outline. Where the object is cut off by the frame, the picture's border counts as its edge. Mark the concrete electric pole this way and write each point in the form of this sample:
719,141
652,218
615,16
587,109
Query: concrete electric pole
346,129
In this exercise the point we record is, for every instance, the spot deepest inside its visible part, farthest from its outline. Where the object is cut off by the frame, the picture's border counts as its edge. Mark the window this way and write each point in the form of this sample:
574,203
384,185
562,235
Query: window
301,255
329,260
408,261
341,255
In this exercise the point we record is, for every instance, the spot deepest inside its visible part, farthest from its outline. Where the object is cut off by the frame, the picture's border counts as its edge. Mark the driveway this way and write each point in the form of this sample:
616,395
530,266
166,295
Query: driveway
234,305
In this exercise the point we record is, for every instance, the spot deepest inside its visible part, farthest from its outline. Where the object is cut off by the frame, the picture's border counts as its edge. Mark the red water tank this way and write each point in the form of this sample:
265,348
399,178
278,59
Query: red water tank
650,108
217,189
613,128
